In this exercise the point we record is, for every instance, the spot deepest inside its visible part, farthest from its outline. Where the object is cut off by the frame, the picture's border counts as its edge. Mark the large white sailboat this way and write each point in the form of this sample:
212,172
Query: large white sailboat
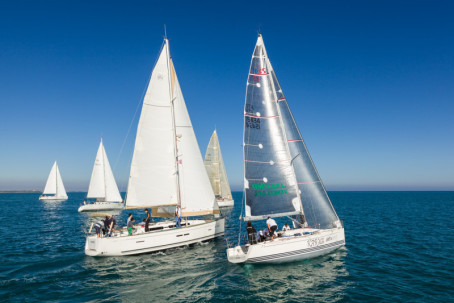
54,189
280,179
167,170
102,186
217,174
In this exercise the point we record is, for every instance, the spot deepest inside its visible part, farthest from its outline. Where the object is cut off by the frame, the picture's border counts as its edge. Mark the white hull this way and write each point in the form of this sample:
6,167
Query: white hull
225,203
163,236
53,198
101,206
290,247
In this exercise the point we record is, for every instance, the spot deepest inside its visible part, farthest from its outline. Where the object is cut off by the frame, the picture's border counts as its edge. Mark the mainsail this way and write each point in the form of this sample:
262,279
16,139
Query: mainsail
214,165
54,184
280,177
102,182
167,167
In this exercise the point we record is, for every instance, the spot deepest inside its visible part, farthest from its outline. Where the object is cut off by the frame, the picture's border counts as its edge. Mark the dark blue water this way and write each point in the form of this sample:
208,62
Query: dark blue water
400,248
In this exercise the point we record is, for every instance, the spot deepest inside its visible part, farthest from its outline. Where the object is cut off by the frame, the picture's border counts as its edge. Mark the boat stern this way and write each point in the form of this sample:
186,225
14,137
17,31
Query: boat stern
237,254
92,246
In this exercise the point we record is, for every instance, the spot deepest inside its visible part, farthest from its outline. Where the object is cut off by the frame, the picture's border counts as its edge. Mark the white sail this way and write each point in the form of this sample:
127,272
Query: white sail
54,184
197,197
61,192
214,165
156,179
51,184
102,182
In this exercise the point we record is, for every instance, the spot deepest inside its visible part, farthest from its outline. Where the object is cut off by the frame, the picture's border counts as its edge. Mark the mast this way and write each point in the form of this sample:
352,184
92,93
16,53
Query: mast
104,170
175,150
56,178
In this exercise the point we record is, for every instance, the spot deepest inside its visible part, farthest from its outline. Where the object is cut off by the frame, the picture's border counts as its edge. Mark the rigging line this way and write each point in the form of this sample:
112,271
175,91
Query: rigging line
135,113
132,121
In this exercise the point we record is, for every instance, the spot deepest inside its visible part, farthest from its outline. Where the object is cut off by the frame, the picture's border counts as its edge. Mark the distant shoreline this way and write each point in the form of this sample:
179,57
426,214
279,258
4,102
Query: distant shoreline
29,191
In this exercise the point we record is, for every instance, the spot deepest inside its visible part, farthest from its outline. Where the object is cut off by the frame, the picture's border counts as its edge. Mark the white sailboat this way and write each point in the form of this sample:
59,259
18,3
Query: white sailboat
167,170
54,189
217,174
280,179
102,186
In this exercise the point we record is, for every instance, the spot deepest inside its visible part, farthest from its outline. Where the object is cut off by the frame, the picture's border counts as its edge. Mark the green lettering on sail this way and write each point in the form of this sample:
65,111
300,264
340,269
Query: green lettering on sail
269,189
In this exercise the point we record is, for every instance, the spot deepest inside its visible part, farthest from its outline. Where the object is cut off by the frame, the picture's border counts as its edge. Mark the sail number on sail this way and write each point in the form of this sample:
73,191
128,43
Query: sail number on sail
262,189
258,72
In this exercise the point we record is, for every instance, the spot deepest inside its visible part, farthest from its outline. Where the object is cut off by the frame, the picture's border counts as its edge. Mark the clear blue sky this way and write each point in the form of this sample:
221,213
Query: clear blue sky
371,84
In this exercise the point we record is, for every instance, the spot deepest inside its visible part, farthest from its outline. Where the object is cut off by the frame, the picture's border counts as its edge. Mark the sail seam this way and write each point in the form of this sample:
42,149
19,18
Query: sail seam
264,117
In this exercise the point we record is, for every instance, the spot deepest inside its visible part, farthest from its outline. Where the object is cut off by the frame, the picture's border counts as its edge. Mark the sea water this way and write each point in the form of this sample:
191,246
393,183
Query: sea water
399,248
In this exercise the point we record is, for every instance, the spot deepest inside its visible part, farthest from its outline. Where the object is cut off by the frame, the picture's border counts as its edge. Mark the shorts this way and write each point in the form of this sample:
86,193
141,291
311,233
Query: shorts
273,229
130,231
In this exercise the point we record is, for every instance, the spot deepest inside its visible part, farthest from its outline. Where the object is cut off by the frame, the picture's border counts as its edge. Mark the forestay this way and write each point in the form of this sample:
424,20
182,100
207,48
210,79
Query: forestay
102,182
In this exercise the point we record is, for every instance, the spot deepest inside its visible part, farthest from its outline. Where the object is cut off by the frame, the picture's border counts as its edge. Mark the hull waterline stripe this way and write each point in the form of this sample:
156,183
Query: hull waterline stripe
179,244
296,252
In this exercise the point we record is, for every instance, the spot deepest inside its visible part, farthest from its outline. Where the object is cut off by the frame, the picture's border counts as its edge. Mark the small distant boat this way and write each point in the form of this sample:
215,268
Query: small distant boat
54,189
166,171
217,174
102,186
280,179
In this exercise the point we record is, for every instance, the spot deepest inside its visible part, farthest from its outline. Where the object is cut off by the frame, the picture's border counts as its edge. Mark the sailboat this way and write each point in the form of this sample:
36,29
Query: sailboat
102,186
167,171
216,171
54,189
280,178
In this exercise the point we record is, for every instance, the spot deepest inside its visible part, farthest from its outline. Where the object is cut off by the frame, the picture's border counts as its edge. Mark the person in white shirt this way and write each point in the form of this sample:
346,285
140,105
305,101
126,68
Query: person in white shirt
272,227
285,227
178,216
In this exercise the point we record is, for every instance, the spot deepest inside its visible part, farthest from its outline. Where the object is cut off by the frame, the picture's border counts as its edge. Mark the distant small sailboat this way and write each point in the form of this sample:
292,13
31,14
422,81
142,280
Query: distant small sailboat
167,171
217,174
280,179
102,186
54,189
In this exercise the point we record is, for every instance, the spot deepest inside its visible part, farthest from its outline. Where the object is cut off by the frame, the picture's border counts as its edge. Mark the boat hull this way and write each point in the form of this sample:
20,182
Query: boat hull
294,245
101,206
225,203
169,237
52,198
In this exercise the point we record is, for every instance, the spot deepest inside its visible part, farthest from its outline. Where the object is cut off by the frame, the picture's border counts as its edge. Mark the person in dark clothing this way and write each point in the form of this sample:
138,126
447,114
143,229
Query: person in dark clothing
106,227
147,220
251,233
110,224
